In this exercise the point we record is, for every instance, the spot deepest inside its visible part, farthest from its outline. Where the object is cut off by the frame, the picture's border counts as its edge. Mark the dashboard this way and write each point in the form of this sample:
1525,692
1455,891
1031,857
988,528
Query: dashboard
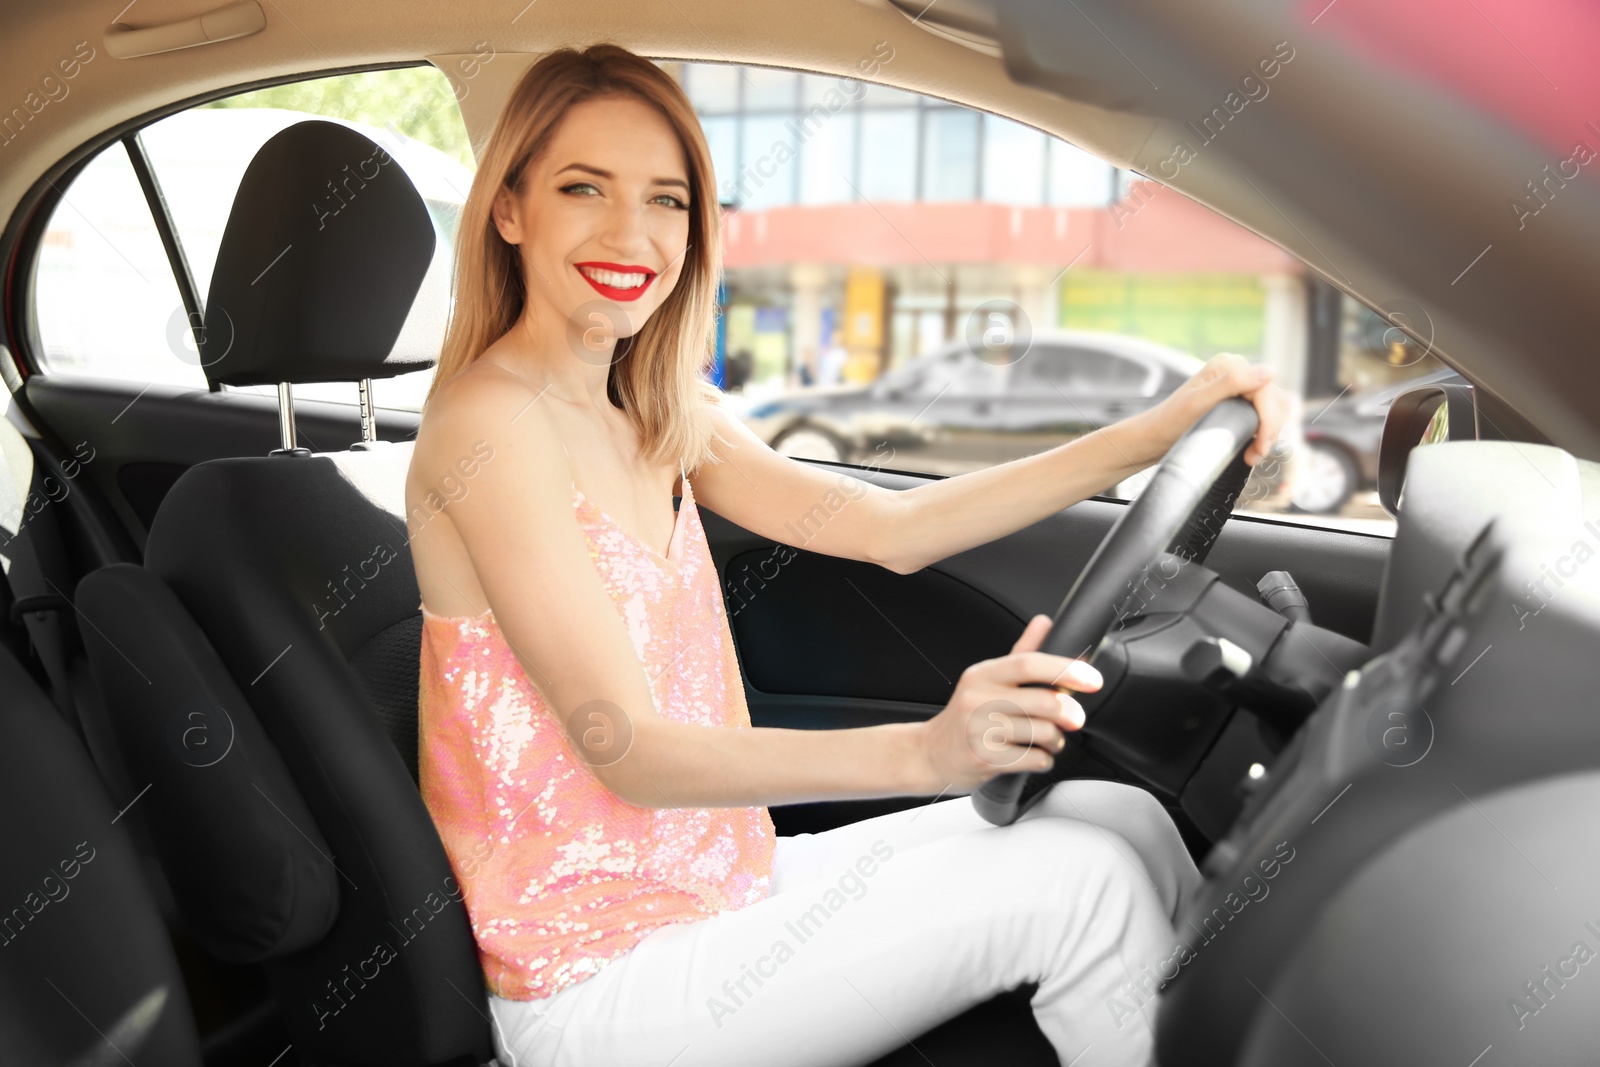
1482,684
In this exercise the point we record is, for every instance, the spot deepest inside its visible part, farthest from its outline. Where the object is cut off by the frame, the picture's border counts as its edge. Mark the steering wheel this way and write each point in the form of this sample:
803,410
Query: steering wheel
1181,511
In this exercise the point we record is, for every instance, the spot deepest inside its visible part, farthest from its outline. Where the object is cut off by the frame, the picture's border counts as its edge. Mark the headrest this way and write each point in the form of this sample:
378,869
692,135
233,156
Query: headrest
324,251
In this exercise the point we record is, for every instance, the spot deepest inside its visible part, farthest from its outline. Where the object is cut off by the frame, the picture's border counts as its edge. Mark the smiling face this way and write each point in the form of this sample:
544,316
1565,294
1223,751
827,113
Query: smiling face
602,220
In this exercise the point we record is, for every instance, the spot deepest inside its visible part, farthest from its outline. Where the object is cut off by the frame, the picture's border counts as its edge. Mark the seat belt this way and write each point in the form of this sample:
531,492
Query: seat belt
43,615
40,581
47,640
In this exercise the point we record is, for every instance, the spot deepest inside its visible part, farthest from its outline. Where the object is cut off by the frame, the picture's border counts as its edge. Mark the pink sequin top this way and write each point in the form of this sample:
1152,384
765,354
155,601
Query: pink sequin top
559,875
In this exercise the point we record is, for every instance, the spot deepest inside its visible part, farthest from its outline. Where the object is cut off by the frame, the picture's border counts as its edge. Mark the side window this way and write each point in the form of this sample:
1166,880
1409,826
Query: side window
104,295
876,233
103,250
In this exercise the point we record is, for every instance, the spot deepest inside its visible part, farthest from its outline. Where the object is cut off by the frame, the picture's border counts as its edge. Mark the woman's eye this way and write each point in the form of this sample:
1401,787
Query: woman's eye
668,200
581,189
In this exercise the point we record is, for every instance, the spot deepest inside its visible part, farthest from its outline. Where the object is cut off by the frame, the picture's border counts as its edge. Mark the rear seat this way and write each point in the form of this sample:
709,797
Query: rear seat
87,974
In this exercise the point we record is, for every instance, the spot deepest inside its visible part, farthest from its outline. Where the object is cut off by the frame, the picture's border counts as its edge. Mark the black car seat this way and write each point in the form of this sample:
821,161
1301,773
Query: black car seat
260,670
87,974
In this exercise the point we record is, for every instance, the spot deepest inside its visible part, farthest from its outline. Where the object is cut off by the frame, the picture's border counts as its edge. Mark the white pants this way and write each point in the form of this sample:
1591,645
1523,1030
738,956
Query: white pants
878,931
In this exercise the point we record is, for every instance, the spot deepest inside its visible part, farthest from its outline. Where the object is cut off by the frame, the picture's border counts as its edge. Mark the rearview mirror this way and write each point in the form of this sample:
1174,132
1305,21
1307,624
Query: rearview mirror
1423,416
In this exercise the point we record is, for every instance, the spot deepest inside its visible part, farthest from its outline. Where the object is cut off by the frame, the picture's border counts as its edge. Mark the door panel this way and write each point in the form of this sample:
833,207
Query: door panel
828,643
144,436
889,636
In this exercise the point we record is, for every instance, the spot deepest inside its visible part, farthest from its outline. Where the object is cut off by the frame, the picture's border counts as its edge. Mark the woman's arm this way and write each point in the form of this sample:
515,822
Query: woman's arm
529,555
804,506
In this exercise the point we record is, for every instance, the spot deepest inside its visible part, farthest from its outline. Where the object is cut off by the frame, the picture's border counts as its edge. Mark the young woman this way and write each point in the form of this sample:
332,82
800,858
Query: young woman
586,751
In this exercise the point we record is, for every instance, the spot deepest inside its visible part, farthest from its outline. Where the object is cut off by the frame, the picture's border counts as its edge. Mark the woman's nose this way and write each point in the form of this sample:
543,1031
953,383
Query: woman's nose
626,228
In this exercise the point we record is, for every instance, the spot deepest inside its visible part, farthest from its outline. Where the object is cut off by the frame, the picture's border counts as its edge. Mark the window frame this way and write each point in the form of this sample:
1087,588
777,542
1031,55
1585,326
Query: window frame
161,215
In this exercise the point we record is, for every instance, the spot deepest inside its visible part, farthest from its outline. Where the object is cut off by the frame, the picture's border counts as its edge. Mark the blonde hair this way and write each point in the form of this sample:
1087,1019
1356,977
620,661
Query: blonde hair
656,375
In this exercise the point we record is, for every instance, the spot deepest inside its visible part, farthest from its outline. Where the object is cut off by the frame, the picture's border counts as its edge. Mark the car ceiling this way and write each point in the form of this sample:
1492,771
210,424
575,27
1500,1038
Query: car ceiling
1386,181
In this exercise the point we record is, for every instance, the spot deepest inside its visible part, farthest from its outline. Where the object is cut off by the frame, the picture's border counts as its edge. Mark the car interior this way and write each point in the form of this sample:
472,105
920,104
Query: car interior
208,684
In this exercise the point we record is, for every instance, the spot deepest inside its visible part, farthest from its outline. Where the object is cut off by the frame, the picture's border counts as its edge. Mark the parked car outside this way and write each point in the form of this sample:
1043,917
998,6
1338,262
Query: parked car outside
966,406
959,408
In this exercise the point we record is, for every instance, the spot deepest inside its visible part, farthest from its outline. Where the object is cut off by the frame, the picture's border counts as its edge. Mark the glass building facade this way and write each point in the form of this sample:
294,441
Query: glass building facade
779,138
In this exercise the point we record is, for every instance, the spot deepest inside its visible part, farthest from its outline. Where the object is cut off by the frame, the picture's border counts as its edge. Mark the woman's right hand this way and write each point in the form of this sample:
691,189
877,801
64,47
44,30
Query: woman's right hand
997,724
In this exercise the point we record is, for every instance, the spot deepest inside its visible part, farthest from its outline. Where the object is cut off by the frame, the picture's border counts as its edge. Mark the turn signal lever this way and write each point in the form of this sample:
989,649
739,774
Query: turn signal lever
1282,594
1300,667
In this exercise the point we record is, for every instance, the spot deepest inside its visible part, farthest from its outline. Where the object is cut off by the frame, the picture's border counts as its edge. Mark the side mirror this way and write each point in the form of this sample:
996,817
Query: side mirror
1422,416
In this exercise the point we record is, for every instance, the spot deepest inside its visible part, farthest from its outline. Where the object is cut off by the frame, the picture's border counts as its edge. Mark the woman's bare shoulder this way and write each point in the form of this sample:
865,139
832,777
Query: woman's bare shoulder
487,409
482,392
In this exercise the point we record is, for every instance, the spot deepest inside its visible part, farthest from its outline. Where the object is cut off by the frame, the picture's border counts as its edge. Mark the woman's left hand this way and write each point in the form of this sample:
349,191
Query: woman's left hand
1224,375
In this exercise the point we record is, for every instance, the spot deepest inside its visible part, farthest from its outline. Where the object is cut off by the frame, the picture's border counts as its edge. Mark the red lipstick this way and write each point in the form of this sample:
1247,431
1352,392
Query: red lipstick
615,292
